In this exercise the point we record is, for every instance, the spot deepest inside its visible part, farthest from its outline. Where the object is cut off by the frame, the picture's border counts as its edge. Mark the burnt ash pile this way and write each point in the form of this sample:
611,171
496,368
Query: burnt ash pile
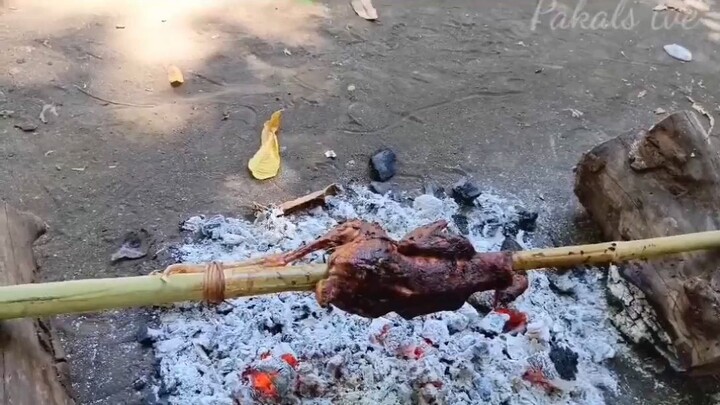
551,346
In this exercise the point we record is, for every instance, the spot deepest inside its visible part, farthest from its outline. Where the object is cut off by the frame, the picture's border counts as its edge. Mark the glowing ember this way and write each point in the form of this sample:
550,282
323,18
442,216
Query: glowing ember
517,322
536,376
263,383
273,376
321,356
290,359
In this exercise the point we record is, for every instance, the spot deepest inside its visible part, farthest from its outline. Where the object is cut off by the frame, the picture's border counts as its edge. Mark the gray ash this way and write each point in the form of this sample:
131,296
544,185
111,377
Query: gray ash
326,356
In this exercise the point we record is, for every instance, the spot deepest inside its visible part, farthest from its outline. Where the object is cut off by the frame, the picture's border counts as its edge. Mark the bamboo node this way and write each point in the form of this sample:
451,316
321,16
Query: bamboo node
213,288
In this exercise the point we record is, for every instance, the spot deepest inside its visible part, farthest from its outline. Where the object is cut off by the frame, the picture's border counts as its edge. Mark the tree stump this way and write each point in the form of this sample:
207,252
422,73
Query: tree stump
661,182
32,362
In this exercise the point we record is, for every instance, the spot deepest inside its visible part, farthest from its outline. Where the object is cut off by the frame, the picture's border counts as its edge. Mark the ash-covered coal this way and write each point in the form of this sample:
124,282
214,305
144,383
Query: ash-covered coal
633,316
284,348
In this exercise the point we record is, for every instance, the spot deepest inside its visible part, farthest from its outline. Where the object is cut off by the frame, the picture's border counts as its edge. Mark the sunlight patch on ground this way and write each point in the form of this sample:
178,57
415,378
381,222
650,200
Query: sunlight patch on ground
131,43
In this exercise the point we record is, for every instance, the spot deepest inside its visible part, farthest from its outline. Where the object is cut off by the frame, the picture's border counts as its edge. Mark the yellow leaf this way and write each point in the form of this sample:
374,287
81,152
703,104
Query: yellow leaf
266,162
175,76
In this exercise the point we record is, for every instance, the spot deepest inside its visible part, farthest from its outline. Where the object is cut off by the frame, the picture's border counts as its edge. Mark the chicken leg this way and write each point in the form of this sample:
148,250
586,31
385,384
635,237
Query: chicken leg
434,240
340,235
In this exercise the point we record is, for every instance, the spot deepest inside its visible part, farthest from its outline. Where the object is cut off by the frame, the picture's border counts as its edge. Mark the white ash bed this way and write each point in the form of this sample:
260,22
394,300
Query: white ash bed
326,356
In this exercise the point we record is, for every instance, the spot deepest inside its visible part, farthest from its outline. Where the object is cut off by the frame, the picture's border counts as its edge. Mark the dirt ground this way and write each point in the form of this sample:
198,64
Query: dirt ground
453,87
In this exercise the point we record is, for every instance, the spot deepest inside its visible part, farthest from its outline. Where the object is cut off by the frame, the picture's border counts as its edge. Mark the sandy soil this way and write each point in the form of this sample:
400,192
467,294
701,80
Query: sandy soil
453,87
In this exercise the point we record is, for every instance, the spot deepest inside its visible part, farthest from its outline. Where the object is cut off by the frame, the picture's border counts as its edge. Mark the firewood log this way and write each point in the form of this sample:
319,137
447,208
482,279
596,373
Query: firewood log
660,182
33,363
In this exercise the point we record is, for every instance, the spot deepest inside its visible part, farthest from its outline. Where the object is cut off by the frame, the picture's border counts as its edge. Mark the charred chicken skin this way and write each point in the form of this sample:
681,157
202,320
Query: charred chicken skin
429,270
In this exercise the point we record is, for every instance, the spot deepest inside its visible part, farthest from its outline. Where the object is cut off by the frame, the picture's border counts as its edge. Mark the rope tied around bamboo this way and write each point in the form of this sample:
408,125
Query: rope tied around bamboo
213,285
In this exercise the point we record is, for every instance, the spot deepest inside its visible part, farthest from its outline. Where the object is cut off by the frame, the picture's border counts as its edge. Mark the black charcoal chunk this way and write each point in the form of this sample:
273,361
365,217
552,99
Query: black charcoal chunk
465,192
382,165
565,361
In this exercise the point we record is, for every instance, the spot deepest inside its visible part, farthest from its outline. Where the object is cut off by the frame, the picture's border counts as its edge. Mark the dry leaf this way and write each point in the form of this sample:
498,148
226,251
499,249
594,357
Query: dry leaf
699,108
311,200
364,9
677,5
175,76
266,162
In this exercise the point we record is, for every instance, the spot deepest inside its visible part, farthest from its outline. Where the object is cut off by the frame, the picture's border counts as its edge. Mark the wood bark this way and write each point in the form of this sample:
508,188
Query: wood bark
32,363
660,182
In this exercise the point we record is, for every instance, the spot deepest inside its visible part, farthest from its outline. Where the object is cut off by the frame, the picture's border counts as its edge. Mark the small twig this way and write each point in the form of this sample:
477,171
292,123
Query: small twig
93,55
104,100
259,207
201,76
302,84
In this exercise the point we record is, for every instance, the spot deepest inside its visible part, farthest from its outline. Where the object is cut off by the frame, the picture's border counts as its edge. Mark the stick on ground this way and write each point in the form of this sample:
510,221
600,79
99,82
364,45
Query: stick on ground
104,100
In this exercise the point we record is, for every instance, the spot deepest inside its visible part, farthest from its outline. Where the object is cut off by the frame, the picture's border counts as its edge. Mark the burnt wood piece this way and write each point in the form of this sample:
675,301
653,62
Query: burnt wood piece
660,182
33,365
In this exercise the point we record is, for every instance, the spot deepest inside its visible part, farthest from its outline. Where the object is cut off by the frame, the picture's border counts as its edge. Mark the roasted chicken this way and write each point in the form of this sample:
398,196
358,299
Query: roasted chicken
429,270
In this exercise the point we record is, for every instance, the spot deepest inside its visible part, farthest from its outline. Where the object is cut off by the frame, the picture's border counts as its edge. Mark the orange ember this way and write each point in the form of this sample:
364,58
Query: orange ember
290,359
517,320
536,376
264,383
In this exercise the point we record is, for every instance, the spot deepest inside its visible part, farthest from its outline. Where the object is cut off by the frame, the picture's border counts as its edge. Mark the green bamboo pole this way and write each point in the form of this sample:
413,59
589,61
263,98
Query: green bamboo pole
615,252
78,296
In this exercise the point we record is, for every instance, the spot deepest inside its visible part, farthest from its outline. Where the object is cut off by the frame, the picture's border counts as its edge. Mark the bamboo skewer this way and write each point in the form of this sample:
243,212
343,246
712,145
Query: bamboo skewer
79,296
615,252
